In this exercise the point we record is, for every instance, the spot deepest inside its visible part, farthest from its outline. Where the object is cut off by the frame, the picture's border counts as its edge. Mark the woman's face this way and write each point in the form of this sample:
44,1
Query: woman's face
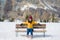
30,19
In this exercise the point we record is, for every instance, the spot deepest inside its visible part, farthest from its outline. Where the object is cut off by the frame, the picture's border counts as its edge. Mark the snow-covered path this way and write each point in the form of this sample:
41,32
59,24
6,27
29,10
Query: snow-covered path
7,32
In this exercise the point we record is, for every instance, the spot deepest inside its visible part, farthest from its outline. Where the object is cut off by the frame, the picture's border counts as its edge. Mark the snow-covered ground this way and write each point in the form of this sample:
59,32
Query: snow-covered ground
7,32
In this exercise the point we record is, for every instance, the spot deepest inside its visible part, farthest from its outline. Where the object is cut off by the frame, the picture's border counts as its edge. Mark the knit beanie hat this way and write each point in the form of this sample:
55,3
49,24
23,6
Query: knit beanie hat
30,17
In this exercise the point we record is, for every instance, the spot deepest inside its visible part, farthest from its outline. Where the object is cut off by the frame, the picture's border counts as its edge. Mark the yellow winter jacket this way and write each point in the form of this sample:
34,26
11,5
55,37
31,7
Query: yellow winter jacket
30,25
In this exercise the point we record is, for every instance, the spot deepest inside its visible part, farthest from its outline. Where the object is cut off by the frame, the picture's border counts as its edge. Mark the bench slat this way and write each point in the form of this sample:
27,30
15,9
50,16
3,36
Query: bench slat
34,31
33,27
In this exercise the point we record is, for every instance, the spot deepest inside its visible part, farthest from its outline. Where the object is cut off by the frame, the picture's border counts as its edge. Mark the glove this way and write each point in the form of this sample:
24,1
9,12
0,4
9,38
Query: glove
39,24
21,24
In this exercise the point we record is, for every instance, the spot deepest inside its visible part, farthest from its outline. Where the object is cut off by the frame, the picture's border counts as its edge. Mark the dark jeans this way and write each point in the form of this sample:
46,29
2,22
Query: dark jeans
30,31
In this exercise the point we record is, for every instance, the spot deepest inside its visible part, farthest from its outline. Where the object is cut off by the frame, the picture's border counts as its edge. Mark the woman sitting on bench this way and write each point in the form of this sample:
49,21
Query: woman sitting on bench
30,23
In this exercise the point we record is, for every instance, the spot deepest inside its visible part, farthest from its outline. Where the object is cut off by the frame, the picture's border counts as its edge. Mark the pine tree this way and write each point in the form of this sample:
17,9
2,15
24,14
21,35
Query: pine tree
8,7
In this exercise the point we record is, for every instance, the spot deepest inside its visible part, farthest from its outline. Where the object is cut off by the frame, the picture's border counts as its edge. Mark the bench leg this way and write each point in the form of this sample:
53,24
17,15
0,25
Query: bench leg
16,34
44,34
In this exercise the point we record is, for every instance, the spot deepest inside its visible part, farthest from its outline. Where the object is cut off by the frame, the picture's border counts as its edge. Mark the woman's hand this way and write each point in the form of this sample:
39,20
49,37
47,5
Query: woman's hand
21,24
39,24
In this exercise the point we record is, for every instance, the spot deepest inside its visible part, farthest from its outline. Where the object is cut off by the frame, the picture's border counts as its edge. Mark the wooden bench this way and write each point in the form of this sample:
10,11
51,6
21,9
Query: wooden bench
35,26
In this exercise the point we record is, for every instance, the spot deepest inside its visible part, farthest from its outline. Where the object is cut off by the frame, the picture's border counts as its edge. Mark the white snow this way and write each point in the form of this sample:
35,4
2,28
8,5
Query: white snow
49,7
28,6
7,32
6,20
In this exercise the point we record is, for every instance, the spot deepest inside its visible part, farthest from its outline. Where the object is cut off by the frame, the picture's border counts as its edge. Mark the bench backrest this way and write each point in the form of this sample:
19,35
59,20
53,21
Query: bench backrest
34,26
